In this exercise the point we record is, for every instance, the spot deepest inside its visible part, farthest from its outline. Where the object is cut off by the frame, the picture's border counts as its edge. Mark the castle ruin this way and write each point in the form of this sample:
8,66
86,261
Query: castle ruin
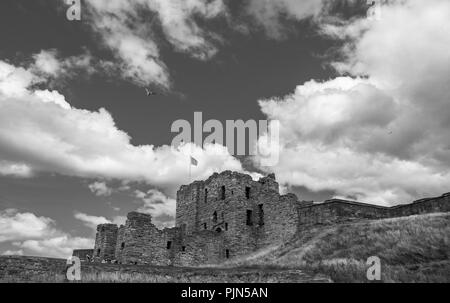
230,215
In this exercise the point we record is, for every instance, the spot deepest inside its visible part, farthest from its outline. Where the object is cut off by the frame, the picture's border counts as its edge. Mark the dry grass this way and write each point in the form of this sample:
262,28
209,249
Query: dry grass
411,249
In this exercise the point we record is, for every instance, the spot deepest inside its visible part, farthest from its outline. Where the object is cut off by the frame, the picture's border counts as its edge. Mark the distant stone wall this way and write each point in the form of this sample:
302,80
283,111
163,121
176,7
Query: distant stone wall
83,254
422,206
337,211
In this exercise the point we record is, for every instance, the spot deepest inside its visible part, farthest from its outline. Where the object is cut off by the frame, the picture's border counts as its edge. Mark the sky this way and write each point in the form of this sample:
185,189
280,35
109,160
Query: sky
361,95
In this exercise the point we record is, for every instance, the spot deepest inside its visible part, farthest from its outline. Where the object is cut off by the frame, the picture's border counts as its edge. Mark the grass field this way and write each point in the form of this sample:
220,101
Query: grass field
411,249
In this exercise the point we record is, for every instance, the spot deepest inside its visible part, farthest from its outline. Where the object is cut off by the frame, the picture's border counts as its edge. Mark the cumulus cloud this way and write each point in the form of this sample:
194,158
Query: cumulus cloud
268,13
13,252
100,189
15,169
37,235
129,30
160,206
58,247
92,221
19,226
50,64
41,131
381,134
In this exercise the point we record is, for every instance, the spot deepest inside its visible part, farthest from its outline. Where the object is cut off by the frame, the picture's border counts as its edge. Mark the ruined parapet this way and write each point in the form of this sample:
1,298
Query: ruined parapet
105,242
269,183
141,242
85,255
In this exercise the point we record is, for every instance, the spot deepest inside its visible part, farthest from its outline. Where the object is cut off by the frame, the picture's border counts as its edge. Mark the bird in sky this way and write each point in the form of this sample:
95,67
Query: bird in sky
150,92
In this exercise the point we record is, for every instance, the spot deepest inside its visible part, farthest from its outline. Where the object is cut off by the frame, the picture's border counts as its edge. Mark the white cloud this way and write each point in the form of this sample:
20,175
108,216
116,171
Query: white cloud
119,220
128,29
268,13
13,252
49,63
37,235
58,247
100,189
15,169
91,221
15,80
382,138
18,226
47,96
161,207
39,129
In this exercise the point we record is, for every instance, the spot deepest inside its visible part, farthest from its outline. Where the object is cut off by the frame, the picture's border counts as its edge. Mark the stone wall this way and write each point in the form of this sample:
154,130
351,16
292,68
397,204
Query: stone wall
245,214
229,215
337,211
422,206
203,247
83,254
105,242
141,242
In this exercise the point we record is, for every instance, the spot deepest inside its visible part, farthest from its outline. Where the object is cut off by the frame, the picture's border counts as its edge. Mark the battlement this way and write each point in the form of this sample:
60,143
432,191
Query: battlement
229,214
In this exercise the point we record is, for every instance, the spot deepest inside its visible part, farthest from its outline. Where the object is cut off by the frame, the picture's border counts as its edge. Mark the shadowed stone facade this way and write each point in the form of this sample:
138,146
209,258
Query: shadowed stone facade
230,215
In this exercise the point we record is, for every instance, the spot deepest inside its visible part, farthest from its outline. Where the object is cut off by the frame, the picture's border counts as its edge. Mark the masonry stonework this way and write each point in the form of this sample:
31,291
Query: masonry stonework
229,215
105,242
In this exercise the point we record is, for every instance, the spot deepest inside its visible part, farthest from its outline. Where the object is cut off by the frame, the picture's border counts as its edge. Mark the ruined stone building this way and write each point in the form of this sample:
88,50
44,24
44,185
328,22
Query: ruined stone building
229,215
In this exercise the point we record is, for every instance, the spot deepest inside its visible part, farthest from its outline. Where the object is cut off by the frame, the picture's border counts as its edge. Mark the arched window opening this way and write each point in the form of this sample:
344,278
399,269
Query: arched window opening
222,192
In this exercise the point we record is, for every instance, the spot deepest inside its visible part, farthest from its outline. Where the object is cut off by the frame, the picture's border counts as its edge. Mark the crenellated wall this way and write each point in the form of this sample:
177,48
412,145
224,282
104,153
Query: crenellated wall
229,215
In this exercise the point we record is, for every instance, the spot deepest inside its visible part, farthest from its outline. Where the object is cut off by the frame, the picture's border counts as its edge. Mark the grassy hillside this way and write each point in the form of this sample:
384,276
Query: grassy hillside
411,249
38,269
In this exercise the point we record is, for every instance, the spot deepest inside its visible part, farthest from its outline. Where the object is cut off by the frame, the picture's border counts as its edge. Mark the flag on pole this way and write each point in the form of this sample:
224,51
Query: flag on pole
194,161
